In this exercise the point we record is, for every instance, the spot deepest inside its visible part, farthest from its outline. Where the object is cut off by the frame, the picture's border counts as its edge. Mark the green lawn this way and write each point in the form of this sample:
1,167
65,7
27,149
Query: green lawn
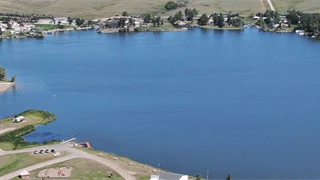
13,162
47,27
164,27
6,146
83,169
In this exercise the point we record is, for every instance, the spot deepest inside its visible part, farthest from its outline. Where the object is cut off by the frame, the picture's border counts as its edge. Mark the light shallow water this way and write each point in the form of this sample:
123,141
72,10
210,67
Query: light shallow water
243,102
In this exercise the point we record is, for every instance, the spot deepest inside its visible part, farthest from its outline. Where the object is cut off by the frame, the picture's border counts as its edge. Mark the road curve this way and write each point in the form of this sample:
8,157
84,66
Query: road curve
73,153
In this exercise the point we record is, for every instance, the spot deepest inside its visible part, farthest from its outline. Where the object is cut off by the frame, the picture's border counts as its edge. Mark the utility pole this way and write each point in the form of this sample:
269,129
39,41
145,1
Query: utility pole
207,174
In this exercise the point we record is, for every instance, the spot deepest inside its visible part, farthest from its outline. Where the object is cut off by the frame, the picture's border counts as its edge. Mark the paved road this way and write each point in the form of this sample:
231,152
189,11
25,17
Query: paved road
271,5
74,153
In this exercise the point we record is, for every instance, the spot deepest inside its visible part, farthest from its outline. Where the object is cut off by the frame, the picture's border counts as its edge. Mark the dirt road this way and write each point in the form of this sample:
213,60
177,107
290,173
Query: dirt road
73,153
271,5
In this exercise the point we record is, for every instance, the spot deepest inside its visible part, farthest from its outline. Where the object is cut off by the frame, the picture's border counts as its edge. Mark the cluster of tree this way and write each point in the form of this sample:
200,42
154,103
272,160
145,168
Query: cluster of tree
268,19
170,5
79,21
203,20
151,18
178,16
190,14
117,23
309,22
39,16
3,74
6,19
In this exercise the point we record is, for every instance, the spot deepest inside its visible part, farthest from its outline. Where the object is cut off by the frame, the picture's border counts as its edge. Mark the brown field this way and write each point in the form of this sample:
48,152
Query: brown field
82,169
301,5
104,8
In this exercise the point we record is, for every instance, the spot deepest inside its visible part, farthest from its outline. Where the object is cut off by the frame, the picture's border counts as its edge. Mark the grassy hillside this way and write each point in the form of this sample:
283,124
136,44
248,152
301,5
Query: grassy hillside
302,5
103,8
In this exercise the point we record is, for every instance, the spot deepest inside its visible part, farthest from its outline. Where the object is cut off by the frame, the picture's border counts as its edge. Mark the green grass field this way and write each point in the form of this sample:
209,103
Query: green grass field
47,27
83,169
10,163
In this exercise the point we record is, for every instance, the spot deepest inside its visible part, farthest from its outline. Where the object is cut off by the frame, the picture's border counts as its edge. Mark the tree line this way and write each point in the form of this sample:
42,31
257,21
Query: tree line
3,75
308,22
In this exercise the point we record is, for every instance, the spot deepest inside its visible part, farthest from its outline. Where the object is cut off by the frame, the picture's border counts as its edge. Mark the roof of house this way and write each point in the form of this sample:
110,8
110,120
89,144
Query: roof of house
24,173
169,176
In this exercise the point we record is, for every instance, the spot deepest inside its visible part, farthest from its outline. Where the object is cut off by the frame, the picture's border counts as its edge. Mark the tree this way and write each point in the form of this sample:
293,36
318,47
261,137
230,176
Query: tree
125,13
170,5
13,79
70,20
2,74
147,18
90,23
220,21
229,177
203,20
79,21
198,177
190,14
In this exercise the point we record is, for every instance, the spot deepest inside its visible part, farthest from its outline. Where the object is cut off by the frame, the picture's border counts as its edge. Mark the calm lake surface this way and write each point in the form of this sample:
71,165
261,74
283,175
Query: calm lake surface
244,102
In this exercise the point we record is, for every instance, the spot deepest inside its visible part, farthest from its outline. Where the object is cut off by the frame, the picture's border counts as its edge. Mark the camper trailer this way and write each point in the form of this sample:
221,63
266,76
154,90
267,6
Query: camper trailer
18,119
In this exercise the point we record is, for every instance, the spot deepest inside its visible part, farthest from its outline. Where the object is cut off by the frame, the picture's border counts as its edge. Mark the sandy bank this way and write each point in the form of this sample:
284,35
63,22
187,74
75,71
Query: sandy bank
4,86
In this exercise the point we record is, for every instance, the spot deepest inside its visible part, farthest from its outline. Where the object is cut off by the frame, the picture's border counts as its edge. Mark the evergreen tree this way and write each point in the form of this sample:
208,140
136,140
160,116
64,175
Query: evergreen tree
229,177
203,20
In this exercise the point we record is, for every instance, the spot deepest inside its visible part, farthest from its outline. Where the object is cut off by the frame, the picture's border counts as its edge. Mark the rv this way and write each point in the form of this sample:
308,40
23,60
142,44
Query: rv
18,119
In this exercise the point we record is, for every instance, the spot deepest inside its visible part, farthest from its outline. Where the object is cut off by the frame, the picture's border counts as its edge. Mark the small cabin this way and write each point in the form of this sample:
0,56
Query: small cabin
24,174
18,119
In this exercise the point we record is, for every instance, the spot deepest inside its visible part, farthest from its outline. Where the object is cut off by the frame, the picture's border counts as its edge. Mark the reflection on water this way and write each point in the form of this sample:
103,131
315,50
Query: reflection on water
244,102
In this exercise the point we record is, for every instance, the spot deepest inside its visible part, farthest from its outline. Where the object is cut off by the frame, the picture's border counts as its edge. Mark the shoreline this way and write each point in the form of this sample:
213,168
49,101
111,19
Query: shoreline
223,28
4,86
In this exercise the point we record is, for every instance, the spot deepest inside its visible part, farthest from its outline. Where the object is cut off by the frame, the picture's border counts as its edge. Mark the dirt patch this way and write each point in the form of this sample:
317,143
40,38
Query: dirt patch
6,130
5,86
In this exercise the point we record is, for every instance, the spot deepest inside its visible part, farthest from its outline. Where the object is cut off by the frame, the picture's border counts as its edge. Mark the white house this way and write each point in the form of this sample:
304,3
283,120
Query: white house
62,20
169,176
18,119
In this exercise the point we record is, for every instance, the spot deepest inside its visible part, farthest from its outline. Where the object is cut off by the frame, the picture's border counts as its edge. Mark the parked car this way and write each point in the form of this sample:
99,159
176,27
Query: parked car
41,151
52,150
47,151
35,152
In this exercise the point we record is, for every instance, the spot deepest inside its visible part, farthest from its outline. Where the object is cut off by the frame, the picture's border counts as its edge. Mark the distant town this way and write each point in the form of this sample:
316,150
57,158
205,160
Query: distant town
17,25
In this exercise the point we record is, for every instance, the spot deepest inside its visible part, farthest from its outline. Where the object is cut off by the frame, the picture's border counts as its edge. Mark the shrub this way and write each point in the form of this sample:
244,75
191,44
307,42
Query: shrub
170,5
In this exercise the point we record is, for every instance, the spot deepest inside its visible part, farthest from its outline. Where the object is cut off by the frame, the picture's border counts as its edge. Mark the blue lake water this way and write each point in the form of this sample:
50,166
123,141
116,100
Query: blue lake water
244,102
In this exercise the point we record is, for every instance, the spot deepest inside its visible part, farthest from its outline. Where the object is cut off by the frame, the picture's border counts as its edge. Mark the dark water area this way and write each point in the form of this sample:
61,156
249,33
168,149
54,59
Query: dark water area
240,102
